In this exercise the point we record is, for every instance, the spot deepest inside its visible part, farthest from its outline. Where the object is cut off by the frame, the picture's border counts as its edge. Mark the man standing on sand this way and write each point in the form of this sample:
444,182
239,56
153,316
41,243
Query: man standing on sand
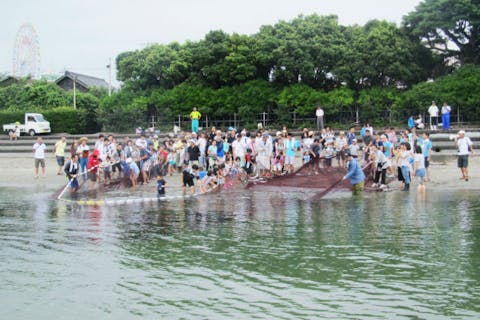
195,116
465,148
39,156
319,114
59,150
433,112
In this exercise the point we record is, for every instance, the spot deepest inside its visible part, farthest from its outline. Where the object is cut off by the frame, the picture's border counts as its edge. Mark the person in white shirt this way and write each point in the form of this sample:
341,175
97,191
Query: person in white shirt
239,149
39,156
433,112
419,168
465,148
319,114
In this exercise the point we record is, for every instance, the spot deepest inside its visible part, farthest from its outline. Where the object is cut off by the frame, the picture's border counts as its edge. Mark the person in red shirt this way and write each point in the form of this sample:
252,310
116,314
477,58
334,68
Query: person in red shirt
93,163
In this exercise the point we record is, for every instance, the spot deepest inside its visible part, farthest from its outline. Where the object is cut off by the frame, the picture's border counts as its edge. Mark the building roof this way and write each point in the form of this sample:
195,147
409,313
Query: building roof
84,80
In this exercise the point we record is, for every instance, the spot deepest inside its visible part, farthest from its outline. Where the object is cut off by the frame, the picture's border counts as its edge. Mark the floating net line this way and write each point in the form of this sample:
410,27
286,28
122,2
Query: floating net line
308,176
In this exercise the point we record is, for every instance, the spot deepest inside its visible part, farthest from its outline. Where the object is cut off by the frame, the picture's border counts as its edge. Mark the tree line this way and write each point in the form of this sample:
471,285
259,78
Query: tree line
378,69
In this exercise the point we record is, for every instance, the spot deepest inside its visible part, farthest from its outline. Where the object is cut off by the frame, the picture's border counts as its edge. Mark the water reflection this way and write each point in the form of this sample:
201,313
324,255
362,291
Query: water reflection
273,254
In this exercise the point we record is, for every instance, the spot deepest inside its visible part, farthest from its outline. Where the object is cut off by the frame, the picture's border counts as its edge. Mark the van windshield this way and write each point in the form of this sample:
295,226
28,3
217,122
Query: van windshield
40,118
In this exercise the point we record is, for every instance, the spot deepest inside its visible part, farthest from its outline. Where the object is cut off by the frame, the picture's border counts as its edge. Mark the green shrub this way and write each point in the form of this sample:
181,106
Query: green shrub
7,117
66,119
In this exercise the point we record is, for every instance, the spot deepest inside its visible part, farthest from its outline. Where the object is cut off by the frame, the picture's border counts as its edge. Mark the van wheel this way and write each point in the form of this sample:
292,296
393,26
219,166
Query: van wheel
31,132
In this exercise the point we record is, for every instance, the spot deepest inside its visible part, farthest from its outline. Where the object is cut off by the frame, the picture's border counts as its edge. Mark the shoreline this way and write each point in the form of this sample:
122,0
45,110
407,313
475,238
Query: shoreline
17,171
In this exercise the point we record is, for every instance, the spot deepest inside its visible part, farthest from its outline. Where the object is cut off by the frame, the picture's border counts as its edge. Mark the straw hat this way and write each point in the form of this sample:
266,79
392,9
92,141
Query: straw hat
83,138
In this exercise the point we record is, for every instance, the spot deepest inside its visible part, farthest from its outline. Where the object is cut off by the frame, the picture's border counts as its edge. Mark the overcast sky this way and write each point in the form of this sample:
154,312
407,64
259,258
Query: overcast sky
82,35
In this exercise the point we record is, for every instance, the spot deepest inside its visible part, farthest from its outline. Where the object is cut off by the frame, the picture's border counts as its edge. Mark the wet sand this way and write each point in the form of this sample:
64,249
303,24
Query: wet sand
17,171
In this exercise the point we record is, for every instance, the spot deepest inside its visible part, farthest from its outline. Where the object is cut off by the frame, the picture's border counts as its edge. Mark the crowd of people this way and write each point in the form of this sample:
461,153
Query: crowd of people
206,160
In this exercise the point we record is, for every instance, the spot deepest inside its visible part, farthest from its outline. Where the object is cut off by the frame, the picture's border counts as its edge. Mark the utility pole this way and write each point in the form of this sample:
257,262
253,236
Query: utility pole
74,92
109,66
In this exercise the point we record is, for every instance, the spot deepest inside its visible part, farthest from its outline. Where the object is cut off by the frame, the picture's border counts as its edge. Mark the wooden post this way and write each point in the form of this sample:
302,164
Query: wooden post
264,114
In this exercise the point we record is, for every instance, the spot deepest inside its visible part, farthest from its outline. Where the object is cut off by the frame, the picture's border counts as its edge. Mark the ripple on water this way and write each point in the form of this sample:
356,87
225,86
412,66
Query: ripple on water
264,255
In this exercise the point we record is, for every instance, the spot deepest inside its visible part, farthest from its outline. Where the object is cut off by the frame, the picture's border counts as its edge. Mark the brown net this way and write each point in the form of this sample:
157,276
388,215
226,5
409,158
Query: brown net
311,176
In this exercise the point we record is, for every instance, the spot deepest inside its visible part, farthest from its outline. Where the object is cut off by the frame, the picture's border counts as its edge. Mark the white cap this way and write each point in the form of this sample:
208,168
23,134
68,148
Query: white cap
129,160
461,132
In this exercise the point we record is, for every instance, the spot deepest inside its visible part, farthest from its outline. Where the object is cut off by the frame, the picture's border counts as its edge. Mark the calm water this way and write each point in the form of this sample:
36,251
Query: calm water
263,255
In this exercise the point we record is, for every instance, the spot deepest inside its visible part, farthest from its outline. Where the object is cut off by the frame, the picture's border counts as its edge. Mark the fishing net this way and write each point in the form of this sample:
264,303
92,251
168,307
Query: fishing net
311,176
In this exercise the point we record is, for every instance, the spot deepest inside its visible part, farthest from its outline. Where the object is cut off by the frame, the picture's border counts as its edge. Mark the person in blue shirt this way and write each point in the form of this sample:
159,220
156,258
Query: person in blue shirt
411,123
354,174
351,135
426,149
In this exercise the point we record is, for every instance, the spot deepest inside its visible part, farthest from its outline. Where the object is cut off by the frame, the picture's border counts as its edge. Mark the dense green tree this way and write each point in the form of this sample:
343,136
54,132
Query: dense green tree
449,27
37,95
379,54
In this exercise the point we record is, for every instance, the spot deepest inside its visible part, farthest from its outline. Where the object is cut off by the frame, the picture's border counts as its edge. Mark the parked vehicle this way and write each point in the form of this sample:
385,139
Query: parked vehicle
34,124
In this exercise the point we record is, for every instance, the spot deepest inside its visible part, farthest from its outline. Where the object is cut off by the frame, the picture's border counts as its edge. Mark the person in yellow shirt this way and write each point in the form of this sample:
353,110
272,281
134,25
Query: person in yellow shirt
195,116
59,150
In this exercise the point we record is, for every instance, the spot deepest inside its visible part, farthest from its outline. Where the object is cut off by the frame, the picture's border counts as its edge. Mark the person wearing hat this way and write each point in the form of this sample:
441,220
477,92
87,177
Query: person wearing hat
354,174
465,148
195,117
83,151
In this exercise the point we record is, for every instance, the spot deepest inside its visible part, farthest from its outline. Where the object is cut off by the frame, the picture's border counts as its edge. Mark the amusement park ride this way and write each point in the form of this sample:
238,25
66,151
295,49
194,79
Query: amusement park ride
26,53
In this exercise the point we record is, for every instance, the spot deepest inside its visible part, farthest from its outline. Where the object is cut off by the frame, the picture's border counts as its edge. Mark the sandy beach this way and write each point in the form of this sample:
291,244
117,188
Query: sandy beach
17,171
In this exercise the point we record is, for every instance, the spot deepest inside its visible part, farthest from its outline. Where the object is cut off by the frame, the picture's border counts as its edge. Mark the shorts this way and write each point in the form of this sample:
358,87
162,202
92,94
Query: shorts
399,174
420,173
277,167
39,162
188,183
289,159
74,184
117,166
147,165
427,163
358,188
462,161
172,162
92,176
328,162
60,161
433,121
340,154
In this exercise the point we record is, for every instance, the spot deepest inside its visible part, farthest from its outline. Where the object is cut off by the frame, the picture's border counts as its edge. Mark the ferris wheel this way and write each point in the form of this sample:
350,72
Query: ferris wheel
26,53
